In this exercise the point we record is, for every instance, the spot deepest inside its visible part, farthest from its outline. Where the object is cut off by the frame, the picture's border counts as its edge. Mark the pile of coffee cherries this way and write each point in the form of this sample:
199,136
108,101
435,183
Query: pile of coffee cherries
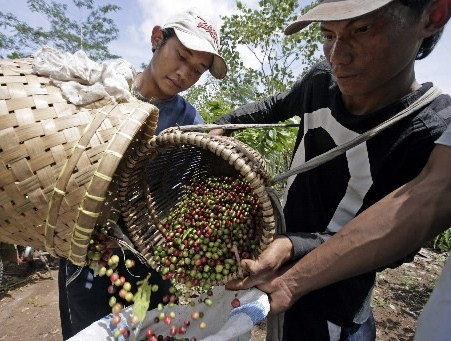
211,228
207,233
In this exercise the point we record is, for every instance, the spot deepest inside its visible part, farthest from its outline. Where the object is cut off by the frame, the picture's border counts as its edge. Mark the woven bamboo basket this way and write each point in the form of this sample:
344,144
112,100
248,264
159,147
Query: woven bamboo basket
59,161
153,181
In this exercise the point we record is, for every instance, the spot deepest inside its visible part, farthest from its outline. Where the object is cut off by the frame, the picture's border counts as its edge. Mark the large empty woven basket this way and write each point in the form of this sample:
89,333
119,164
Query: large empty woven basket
153,182
57,160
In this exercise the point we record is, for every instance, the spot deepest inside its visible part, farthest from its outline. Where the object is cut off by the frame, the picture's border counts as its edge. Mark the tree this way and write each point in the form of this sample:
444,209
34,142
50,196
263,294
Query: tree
91,32
280,61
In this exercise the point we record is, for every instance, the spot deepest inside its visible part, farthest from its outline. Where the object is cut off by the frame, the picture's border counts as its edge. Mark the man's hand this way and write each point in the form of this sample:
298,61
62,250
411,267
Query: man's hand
217,132
280,296
264,268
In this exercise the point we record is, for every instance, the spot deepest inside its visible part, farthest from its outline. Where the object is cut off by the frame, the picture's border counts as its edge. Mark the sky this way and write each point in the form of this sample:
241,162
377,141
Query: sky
137,18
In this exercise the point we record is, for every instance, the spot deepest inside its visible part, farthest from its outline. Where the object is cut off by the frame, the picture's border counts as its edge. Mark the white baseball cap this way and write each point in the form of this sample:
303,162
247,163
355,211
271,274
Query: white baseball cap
335,10
196,32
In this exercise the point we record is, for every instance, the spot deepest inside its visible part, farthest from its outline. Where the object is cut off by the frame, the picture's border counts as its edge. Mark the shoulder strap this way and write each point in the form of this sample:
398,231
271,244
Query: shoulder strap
424,100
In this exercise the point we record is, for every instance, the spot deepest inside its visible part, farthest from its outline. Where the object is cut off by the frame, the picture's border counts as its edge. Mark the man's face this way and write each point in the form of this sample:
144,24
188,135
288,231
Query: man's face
176,68
370,53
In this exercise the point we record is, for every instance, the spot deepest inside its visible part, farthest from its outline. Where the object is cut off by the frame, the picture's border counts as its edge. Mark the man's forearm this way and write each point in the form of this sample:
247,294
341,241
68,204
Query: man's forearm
273,109
397,225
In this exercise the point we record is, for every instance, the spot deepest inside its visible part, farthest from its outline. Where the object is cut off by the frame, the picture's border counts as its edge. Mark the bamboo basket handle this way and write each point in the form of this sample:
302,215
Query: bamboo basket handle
231,126
145,115
59,190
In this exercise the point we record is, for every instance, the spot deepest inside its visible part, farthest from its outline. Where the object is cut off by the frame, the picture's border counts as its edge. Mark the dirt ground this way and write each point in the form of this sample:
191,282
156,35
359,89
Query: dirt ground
29,300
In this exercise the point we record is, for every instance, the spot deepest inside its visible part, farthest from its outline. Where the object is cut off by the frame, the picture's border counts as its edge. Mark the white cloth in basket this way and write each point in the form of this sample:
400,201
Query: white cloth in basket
82,80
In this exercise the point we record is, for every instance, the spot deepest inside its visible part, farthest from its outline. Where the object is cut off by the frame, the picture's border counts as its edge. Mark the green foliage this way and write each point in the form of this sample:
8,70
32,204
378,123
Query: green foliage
275,144
277,61
259,33
91,31
443,241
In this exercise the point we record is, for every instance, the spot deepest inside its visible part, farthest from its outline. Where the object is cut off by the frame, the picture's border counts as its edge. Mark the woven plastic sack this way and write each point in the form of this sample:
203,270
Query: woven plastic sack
223,322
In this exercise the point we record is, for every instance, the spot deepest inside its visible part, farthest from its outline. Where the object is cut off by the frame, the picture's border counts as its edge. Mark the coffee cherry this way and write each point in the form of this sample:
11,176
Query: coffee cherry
134,320
114,259
111,289
117,333
127,286
149,332
167,320
125,332
114,277
117,308
102,271
220,213
129,263
112,301
115,320
129,297
235,303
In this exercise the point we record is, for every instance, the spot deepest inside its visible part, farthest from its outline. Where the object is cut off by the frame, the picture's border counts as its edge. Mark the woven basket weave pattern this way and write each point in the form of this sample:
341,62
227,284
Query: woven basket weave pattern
58,160
157,179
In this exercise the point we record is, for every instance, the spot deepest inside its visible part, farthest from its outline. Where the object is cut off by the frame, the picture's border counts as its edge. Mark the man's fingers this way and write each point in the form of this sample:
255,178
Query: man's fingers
247,282
241,284
217,132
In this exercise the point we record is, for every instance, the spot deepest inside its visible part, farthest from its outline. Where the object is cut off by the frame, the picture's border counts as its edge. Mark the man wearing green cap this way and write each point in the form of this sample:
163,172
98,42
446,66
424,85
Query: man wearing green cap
368,76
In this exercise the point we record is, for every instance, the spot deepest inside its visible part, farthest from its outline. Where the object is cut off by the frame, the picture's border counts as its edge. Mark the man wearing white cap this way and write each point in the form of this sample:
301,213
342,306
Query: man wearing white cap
184,48
368,76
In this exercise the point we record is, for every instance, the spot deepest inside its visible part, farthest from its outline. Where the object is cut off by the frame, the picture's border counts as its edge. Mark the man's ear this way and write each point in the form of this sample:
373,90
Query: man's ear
438,14
157,37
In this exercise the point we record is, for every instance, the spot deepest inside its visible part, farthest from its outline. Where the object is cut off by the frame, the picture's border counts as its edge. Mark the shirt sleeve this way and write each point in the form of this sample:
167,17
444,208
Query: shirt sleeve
445,139
304,242
274,109
192,115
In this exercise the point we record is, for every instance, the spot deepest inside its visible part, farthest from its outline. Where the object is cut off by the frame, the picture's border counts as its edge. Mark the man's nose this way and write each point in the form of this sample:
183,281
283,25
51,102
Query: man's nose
340,53
185,72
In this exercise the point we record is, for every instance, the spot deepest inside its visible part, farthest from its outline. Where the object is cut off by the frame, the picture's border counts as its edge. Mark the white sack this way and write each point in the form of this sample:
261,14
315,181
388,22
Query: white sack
223,322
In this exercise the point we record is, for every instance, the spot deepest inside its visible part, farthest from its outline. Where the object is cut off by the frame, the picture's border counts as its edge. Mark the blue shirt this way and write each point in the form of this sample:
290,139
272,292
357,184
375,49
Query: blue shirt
176,112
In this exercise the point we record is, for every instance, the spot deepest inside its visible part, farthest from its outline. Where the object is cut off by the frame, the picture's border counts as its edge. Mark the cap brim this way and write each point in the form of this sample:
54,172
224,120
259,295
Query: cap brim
336,11
219,67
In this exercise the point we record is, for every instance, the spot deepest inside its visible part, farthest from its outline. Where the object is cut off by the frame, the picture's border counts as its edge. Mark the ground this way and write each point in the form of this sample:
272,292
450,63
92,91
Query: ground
29,300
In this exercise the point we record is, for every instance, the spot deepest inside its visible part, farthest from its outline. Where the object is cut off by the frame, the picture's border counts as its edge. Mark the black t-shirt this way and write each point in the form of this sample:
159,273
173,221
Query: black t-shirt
325,198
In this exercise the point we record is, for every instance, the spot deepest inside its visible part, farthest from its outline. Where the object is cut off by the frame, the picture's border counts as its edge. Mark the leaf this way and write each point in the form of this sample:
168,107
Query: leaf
142,299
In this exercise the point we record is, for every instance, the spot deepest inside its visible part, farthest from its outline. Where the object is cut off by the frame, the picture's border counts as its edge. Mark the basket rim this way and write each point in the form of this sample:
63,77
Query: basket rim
143,117
213,144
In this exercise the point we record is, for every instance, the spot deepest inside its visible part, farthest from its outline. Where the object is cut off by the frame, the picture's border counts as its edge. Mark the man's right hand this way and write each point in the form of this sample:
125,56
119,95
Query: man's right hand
217,132
265,268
